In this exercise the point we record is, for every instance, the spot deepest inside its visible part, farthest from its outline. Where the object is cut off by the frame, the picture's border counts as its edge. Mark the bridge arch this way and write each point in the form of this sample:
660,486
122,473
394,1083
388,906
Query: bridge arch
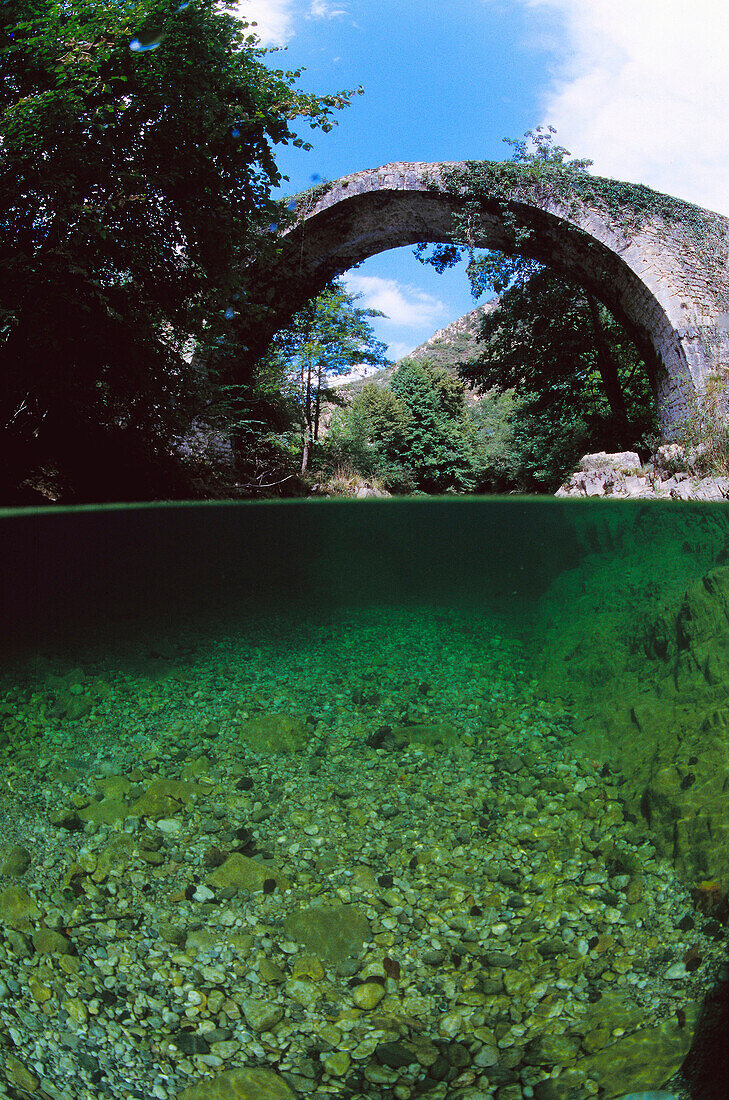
660,265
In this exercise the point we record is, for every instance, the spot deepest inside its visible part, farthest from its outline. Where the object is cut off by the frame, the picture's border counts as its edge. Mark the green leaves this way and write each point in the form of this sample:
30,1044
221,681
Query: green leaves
127,204
571,366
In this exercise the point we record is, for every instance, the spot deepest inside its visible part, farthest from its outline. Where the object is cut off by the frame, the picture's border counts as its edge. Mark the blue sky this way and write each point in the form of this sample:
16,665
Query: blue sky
641,86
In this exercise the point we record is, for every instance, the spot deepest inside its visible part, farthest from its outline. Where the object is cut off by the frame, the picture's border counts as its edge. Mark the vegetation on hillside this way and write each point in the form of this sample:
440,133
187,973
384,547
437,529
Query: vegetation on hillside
419,434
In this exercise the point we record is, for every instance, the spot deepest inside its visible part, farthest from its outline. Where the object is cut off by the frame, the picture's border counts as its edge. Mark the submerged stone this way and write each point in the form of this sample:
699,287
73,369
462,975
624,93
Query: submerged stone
163,798
275,733
109,811
242,873
18,909
334,934
240,1084
621,1067
48,942
427,733
16,862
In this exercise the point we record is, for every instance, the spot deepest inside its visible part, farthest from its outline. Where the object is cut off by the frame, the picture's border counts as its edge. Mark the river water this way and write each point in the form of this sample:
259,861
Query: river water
364,799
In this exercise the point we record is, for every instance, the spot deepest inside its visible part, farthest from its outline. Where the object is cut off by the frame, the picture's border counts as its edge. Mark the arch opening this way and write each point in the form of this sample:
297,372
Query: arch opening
653,283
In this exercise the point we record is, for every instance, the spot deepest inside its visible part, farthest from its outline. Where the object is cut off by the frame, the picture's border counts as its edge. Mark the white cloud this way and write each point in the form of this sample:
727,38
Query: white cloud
398,349
402,305
322,9
642,88
274,19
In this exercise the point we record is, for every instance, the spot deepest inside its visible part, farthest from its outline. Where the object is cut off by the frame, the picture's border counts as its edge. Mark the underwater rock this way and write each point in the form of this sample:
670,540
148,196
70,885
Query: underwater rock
649,1096
304,993
72,706
332,933
19,1075
113,784
552,1050
18,909
203,941
426,733
621,1067
242,873
48,942
163,798
16,862
597,1025
275,733
240,1084
368,995
109,811
260,1015
567,1086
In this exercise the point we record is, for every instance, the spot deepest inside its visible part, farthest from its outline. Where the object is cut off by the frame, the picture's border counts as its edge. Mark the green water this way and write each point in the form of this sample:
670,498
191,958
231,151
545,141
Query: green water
364,799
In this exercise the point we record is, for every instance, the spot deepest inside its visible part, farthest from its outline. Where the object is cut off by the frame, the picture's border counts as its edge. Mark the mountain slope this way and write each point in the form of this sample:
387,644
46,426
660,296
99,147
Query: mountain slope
455,344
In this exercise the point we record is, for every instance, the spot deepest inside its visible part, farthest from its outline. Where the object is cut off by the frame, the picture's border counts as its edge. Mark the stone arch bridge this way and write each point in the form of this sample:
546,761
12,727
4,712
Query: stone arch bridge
659,264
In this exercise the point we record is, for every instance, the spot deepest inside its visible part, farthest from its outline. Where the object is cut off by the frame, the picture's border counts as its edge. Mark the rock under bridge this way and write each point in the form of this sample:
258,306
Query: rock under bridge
659,264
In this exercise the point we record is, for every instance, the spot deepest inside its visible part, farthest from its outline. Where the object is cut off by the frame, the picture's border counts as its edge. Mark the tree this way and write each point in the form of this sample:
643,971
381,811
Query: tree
548,343
136,167
382,420
413,433
498,460
326,338
437,448
370,439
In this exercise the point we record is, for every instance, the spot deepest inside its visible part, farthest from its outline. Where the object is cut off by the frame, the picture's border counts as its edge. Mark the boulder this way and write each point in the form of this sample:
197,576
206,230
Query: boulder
622,462
621,1068
16,862
46,941
426,733
242,873
620,475
669,457
162,798
18,909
